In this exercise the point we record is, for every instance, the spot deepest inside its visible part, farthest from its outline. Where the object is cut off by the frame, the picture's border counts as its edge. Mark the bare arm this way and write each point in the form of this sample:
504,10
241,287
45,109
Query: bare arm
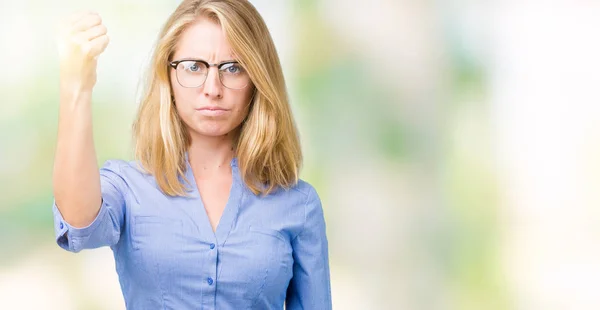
76,179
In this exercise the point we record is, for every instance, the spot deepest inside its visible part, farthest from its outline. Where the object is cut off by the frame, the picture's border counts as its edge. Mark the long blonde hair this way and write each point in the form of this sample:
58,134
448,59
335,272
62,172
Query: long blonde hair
267,148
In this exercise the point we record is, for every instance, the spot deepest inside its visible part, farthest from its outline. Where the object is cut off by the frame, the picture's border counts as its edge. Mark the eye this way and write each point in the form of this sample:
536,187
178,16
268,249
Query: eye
193,66
231,68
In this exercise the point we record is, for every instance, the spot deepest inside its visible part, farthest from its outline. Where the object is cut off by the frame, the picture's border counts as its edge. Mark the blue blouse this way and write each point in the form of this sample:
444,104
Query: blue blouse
266,251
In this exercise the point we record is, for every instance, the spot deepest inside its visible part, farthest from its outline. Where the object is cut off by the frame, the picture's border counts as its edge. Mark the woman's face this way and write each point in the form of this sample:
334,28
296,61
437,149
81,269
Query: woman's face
210,109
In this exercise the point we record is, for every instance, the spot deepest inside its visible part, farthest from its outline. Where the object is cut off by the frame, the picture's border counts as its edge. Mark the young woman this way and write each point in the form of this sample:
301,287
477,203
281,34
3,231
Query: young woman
211,214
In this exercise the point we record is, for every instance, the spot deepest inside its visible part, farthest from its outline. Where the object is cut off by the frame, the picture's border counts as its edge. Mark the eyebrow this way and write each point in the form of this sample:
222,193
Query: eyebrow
197,58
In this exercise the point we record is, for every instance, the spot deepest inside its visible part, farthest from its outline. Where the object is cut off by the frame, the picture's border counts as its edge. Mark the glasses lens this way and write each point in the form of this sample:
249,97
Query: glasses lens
234,76
191,73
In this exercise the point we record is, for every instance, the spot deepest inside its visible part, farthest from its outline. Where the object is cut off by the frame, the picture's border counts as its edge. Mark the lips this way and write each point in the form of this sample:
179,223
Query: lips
212,111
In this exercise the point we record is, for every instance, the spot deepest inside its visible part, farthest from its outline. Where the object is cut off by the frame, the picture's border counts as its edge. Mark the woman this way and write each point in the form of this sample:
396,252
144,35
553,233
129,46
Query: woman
211,215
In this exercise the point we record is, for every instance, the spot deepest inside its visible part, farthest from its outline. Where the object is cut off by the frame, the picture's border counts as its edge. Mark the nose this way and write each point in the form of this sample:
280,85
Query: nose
212,85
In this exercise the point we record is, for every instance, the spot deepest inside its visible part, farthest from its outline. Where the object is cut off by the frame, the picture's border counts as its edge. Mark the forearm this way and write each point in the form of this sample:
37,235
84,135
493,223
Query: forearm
76,179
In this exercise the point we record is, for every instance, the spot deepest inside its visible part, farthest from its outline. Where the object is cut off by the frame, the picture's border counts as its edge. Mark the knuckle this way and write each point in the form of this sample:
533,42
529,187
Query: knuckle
89,21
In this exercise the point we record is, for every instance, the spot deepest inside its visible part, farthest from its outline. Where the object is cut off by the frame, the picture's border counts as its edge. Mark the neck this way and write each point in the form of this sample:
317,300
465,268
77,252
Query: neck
211,154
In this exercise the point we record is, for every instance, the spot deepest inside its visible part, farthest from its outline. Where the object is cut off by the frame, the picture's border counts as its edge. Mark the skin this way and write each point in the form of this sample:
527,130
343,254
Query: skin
81,38
212,136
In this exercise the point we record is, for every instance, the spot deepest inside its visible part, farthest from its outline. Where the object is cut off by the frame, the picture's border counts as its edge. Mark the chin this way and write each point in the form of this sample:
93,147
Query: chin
212,130
211,133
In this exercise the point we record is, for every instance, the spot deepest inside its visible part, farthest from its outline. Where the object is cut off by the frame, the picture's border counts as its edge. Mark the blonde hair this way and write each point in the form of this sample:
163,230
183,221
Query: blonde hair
267,147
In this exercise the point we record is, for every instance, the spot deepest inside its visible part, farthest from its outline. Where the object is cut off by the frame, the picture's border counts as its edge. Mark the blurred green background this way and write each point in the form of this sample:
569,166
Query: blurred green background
454,144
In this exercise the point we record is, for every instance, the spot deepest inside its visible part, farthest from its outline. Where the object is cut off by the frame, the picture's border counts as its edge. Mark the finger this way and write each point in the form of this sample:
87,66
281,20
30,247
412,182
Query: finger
65,23
75,17
98,45
94,32
86,23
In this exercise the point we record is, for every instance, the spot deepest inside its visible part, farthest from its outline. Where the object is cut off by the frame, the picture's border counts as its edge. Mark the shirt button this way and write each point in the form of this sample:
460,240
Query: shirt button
212,245
61,225
210,281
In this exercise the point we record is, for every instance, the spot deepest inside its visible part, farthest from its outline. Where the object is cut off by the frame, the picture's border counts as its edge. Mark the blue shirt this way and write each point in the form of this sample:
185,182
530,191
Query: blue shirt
266,251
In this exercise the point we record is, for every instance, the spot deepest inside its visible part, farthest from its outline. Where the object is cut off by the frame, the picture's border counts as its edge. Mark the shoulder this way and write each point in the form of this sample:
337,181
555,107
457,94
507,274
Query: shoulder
122,166
313,208
123,170
301,193
305,189
113,165
308,196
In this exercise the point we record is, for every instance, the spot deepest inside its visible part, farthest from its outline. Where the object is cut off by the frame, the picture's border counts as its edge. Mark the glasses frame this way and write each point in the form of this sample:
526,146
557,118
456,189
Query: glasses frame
175,63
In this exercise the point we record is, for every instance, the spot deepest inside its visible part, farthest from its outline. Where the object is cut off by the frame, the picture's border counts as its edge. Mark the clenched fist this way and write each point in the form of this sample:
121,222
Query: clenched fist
81,39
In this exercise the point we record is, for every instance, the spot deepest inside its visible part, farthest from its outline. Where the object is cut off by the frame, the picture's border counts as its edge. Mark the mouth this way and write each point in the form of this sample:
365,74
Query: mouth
212,111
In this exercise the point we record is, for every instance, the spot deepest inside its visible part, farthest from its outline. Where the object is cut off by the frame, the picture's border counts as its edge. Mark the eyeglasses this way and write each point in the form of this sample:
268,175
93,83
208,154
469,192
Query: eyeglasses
192,73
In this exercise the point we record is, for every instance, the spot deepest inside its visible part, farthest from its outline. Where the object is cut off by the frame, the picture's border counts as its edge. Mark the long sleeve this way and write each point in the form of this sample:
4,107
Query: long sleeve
105,230
310,286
